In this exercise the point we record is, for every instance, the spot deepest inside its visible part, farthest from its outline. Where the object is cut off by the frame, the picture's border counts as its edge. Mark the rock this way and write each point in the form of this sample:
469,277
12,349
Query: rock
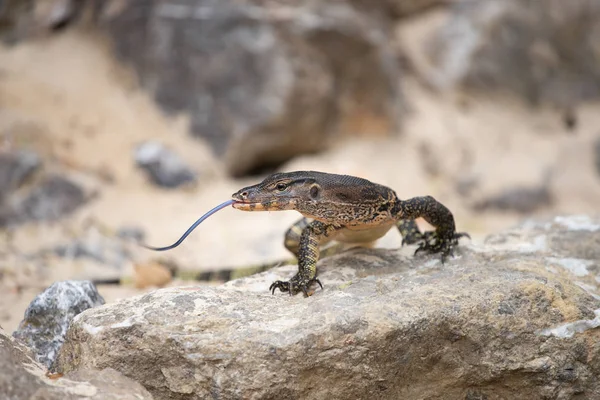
134,233
508,319
596,151
574,237
49,315
525,47
404,8
104,255
262,81
53,198
108,384
152,273
95,253
23,378
163,166
15,168
524,200
11,16
520,199
24,19
49,199
55,14
104,250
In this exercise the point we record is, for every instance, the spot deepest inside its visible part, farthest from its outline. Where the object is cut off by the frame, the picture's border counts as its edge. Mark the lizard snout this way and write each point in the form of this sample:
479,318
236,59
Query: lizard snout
256,198
247,200
242,195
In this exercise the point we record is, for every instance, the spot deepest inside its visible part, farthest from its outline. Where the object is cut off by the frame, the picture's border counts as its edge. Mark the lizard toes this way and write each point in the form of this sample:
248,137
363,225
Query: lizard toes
294,286
419,249
281,285
433,242
304,286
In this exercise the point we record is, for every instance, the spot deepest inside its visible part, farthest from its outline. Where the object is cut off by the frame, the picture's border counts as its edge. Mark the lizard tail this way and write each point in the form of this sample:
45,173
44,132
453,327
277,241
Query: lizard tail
228,274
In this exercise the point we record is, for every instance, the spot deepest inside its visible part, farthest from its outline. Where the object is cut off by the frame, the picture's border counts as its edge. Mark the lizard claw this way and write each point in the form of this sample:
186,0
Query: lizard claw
281,285
318,281
294,285
458,235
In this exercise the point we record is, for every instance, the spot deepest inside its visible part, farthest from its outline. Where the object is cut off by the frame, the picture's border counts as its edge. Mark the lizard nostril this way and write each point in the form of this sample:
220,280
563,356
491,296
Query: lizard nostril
244,194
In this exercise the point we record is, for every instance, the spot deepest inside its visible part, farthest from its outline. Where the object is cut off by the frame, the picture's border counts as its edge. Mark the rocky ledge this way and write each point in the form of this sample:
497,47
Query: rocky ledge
21,377
515,317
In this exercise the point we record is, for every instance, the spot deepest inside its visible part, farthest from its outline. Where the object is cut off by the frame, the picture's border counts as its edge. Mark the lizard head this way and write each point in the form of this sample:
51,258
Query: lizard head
329,198
280,191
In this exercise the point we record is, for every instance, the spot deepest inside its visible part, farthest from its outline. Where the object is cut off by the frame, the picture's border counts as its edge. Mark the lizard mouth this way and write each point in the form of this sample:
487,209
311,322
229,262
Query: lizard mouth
269,205
253,206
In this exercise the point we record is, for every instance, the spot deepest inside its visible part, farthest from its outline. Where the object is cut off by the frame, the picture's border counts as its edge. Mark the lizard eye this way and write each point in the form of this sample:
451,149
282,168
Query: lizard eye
281,187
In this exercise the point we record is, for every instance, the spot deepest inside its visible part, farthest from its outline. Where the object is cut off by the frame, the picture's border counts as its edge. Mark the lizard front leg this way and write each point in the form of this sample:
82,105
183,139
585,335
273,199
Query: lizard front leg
311,238
443,240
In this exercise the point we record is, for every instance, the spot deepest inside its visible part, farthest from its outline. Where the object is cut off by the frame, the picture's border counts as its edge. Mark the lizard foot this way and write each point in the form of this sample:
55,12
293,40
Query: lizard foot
433,242
294,285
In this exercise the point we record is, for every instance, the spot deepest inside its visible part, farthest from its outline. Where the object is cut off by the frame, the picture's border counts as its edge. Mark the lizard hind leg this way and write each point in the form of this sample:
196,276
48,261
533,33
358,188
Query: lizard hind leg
293,235
411,234
311,238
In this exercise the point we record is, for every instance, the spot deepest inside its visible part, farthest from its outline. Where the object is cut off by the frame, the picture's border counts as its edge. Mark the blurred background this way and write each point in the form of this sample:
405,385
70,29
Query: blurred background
127,120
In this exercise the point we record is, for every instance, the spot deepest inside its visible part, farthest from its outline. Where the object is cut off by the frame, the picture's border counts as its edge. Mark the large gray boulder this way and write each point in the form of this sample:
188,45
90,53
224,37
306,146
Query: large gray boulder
513,318
262,81
22,378
543,51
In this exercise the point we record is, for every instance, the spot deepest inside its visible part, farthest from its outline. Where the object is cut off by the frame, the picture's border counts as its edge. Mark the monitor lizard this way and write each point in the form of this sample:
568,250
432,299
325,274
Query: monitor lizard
345,209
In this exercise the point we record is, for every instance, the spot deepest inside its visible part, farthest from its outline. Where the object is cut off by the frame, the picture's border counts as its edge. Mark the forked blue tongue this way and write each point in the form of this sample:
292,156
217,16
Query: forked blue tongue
191,228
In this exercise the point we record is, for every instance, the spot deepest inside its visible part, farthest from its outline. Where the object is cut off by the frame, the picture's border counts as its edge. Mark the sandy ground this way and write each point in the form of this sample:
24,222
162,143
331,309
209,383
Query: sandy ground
67,98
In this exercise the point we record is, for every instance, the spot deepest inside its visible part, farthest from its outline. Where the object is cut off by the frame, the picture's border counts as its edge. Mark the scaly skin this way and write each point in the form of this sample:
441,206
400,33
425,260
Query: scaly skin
346,209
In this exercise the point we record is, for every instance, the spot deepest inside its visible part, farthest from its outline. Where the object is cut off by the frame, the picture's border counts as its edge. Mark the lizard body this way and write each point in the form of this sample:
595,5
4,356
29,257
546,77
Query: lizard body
346,209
